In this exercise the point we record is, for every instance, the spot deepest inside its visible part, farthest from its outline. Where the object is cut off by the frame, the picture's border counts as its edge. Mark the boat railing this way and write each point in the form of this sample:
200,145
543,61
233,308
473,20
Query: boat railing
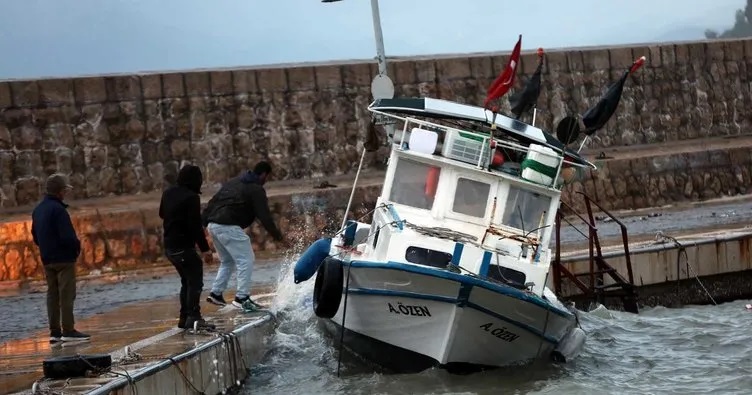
485,142
445,128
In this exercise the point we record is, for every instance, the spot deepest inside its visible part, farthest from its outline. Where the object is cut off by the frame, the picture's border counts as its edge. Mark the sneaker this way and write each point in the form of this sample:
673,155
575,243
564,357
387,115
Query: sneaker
55,336
181,323
247,304
199,324
74,336
216,299
238,302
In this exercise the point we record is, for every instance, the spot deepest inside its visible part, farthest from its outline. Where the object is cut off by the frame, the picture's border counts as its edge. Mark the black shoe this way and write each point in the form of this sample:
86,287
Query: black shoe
199,324
181,323
55,336
74,336
216,299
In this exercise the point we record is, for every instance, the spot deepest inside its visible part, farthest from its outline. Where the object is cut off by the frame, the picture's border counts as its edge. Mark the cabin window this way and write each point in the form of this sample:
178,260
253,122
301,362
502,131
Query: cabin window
525,209
506,275
426,257
414,184
471,197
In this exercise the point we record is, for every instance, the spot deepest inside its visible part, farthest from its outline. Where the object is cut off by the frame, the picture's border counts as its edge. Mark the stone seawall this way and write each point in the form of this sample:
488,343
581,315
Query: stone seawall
698,169
128,134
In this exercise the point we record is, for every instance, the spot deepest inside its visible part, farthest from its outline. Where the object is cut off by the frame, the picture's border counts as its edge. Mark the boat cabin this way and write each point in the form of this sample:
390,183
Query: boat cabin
462,198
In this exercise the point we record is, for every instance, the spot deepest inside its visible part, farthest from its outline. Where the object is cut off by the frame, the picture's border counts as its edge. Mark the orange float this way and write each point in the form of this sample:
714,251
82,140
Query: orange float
432,181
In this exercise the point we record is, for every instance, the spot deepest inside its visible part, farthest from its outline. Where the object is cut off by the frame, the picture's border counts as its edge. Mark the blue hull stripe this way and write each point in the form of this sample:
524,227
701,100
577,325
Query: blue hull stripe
465,280
445,299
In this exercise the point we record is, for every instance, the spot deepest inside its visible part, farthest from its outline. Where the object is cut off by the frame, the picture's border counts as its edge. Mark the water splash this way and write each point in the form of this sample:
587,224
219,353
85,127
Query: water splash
290,298
299,348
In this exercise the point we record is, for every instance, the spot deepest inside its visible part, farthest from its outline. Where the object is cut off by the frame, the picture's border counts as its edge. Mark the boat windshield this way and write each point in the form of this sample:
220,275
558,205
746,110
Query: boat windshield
524,209
414,184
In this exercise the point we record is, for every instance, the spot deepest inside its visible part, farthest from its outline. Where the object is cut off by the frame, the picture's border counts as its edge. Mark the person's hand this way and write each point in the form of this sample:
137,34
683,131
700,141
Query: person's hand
208,257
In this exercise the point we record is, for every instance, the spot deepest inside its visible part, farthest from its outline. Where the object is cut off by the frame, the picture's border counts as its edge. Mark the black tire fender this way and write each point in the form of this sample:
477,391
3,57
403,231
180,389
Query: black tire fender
327,291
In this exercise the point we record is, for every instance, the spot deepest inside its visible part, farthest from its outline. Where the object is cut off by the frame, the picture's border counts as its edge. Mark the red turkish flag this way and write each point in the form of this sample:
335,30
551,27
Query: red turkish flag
504,81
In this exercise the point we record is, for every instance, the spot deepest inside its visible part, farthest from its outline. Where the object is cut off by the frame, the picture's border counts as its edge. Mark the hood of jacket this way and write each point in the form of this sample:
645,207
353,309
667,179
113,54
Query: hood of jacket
249,177
190,177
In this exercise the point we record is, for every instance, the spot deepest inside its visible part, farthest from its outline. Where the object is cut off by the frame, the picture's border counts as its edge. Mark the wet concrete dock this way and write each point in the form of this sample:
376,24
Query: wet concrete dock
208,361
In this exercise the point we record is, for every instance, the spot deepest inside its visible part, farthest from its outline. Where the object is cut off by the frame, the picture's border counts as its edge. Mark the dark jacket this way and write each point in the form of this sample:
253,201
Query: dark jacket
180,210
53,232
239,202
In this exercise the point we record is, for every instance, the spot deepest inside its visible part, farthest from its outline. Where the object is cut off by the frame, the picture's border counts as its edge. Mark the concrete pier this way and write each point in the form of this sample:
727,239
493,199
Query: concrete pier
150,355
692,268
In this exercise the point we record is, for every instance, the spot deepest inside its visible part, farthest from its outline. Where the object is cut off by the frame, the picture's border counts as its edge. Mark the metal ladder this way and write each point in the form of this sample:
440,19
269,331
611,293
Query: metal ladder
594,287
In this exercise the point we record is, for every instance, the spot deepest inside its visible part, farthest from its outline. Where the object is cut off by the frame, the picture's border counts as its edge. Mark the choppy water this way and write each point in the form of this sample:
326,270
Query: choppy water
699,349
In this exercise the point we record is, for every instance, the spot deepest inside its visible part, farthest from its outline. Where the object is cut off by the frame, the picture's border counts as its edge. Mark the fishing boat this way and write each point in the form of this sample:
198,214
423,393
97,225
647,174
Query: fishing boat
451,270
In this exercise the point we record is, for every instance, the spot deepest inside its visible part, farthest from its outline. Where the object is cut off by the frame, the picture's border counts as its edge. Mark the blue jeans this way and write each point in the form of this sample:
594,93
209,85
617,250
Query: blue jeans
234,249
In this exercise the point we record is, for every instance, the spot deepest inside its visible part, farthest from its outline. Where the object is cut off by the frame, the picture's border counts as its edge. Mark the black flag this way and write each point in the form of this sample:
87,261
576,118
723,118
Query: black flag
372,137
526,99
597,116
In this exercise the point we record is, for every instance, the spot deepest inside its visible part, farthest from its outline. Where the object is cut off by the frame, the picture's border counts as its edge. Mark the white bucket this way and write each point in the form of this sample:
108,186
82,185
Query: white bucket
540,156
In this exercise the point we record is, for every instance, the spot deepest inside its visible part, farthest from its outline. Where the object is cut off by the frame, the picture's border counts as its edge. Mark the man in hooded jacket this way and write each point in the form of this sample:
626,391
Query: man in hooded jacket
180,210
232,209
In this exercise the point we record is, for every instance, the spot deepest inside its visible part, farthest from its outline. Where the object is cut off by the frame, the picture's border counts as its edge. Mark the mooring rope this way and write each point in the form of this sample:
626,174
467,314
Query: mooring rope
185,378
683,250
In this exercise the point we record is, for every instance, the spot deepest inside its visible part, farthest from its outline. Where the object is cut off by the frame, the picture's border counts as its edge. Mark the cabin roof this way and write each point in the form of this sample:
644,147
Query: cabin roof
479,117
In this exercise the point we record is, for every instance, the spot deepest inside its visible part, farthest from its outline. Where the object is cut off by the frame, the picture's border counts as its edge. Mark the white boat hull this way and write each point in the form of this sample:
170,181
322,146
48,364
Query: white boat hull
419,317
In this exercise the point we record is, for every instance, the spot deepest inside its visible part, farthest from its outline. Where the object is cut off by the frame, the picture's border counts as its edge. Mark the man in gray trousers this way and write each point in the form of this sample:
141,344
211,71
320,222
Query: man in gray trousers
233,208
59,247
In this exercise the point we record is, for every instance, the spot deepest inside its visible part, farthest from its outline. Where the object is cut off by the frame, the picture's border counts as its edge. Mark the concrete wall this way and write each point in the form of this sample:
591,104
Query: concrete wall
127,134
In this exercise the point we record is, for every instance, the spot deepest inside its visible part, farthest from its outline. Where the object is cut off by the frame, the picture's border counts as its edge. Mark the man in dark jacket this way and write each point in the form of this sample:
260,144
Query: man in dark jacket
180,210
59,247
232,209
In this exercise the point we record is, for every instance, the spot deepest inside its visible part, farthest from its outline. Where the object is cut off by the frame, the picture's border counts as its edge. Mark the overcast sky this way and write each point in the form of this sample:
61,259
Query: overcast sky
75,37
